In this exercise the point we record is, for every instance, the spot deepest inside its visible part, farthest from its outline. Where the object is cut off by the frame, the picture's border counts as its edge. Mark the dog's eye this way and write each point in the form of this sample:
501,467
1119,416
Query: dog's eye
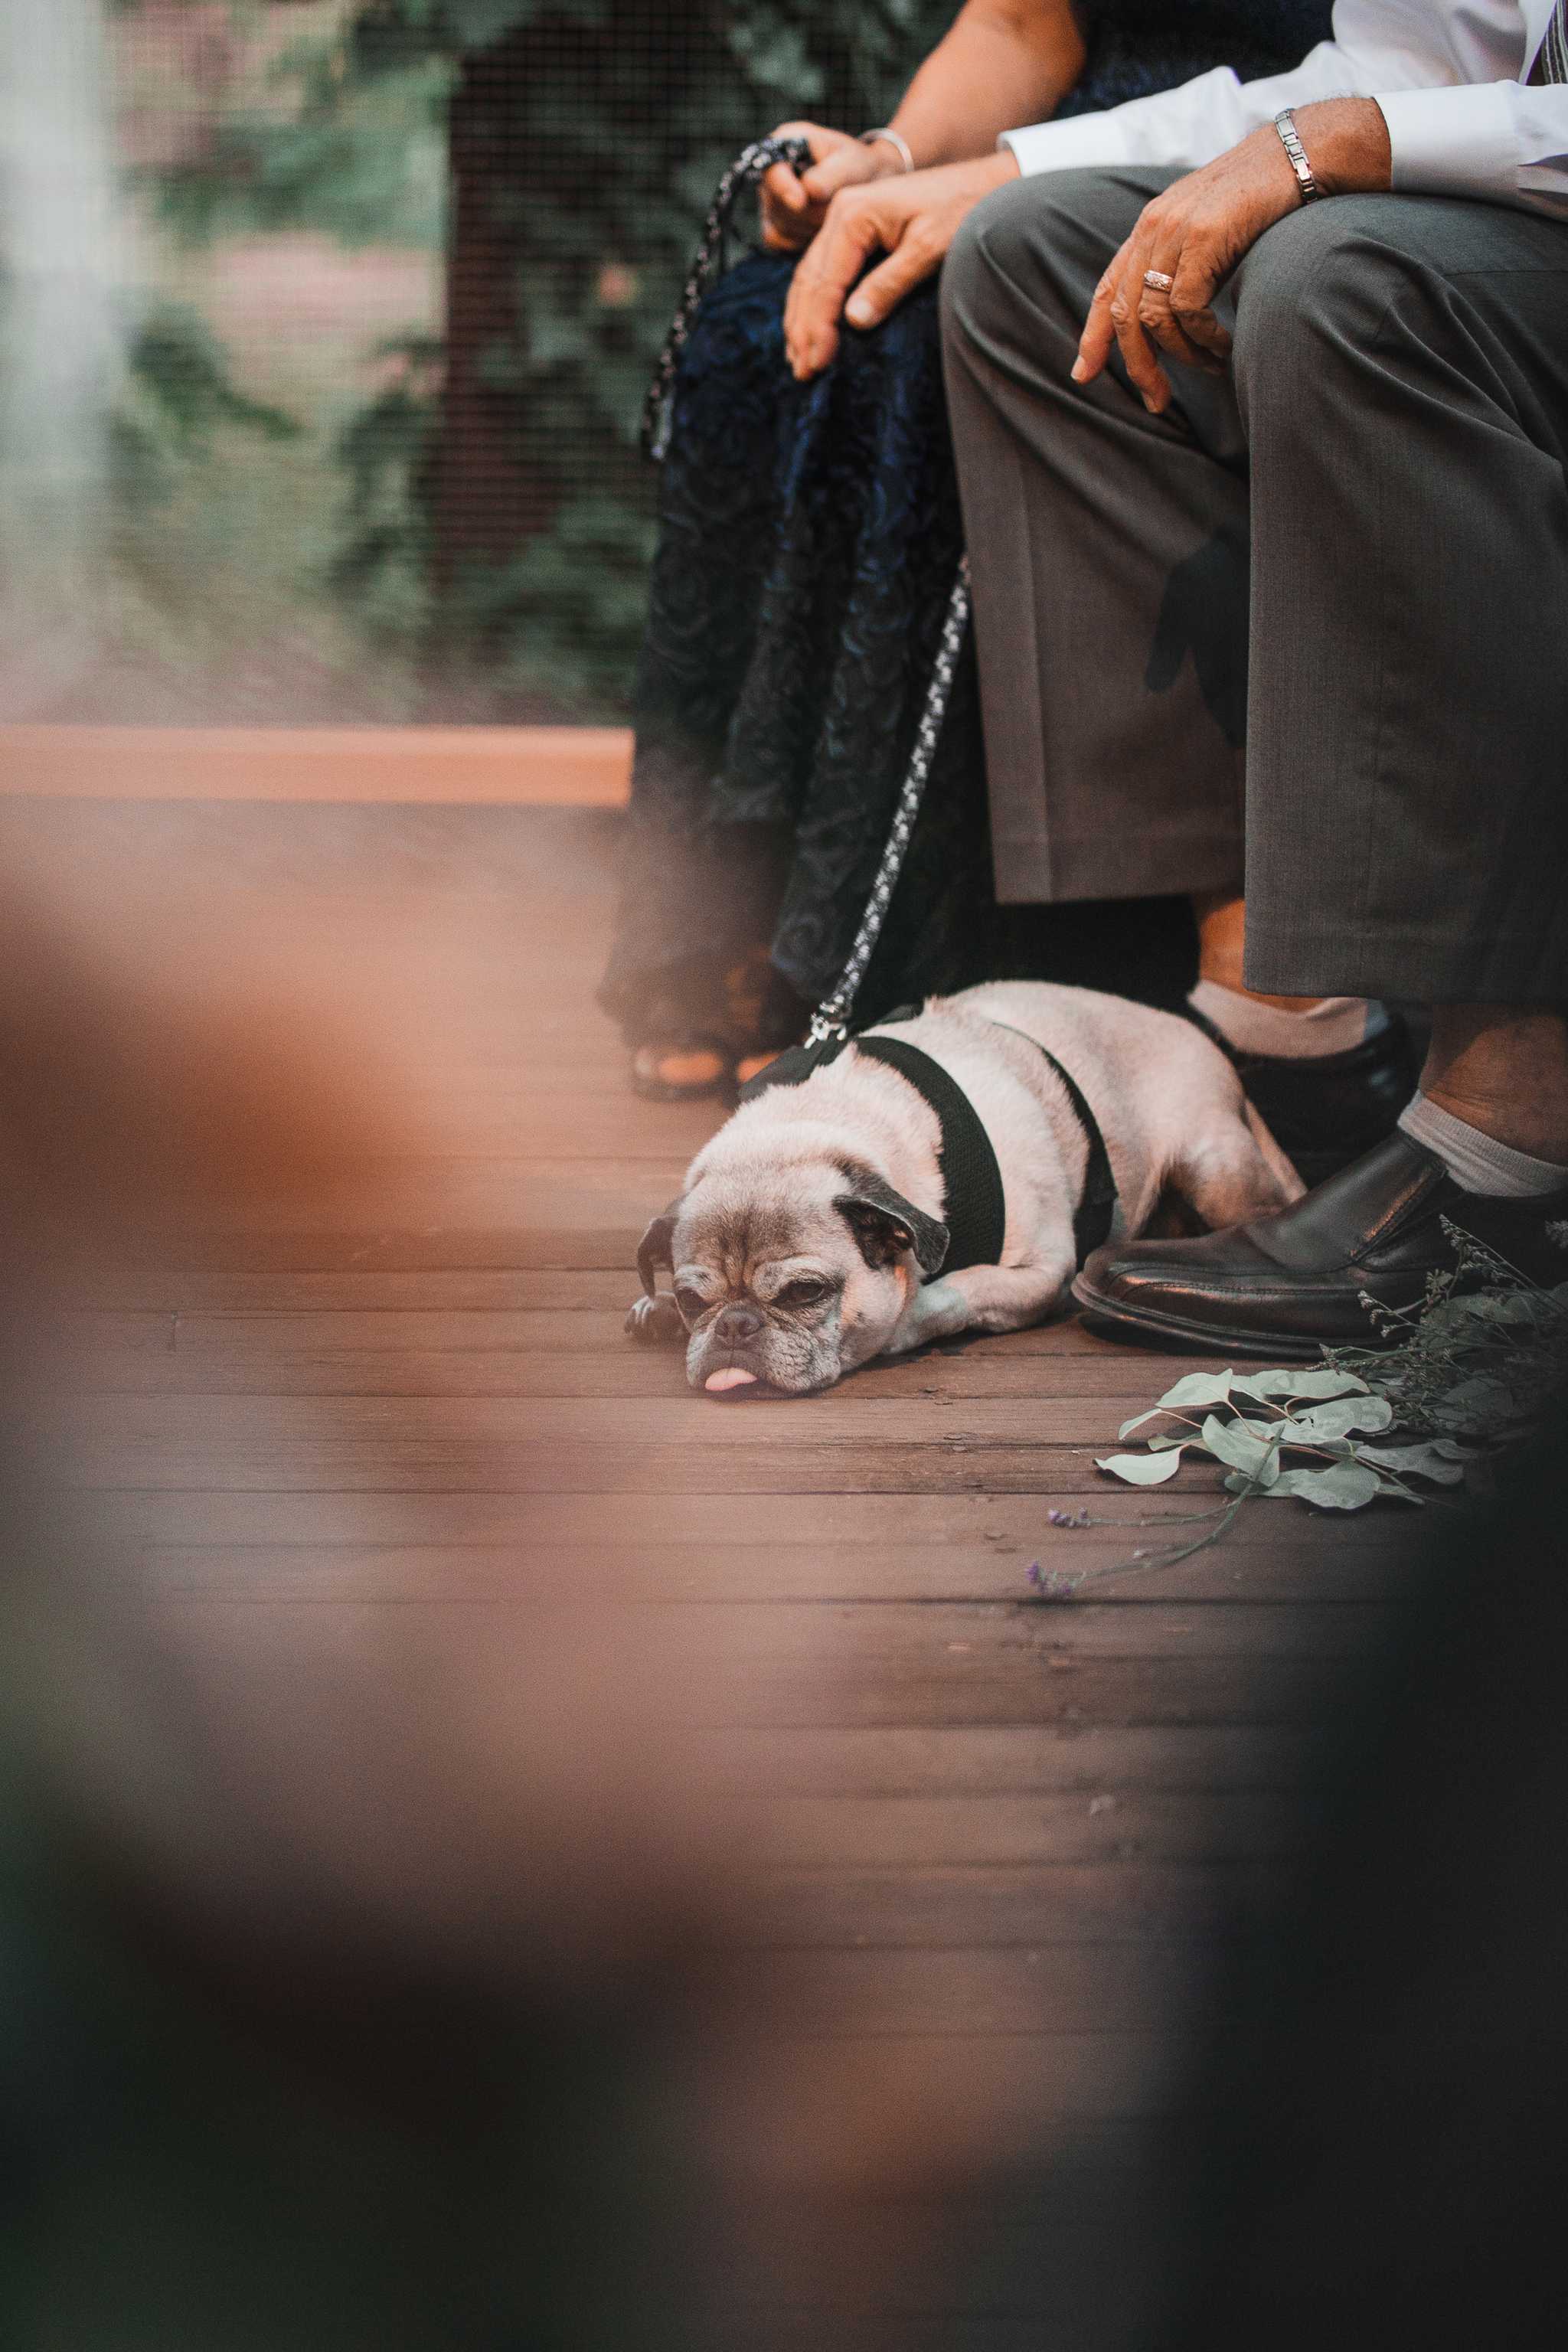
691,1302
803,1293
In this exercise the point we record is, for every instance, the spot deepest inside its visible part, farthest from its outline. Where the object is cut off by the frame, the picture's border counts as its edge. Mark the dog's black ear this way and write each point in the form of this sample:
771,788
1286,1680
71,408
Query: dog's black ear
653,1250
886,1224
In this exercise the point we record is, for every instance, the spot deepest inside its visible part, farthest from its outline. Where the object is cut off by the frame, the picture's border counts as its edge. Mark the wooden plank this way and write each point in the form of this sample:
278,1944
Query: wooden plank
1012,2091
969,1644
1315,1570
618,1368
574,767
690,1428
437,1244
1085,1759
834,1668
173,1287
1095,1989
965,1906
1100,1827
591,1321
654,1447
455,1516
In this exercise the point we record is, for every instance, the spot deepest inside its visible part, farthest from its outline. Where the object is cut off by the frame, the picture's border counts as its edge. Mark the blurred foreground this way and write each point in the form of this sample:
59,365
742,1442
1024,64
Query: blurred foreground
492,1833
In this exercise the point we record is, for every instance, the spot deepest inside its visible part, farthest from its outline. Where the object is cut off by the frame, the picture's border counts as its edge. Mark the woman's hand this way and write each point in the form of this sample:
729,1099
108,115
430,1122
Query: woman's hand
795,204
1199,228
911,218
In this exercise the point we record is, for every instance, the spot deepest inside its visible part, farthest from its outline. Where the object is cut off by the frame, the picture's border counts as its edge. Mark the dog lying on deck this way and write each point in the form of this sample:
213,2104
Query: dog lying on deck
947,1171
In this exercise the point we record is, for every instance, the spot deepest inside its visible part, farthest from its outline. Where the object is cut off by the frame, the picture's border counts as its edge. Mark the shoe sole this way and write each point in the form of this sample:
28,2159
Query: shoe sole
1111,1321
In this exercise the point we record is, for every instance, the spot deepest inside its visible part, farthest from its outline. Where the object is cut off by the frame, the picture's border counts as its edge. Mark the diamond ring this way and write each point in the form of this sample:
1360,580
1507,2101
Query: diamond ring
1160,279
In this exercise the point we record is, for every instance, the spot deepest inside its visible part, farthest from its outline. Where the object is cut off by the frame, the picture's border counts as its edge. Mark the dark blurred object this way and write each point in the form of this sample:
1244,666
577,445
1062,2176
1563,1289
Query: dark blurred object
376,1976
342,1978
1391,2078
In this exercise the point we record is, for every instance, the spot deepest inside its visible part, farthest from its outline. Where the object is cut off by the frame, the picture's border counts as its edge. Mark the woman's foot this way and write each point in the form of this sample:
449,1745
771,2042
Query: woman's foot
685,1069
704,1043
751,1065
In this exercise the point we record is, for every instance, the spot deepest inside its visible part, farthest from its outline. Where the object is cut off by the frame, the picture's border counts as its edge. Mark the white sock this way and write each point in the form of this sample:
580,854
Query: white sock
1334,1026
1478,1162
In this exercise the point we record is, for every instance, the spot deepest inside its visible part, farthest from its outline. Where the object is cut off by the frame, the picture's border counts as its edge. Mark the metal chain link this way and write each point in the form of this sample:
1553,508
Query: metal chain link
744,173
831,1019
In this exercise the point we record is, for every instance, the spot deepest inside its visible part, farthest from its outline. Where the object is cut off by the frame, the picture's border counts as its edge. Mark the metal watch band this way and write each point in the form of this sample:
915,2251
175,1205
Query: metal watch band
894,139
1290,137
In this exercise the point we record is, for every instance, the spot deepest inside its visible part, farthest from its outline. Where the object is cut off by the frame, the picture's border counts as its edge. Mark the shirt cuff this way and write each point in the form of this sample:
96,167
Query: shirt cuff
1454,141
1080,143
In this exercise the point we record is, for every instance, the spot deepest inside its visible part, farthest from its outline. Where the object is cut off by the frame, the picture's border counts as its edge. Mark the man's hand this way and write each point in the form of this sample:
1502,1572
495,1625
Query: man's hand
795,204
911,218
1200,228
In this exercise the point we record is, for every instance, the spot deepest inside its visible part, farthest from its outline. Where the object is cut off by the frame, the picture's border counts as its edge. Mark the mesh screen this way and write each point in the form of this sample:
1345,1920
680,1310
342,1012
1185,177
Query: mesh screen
402,269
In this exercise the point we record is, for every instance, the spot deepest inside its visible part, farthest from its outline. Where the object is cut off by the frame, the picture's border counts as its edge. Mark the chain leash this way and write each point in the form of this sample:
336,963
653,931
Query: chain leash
744,173
830,1022
831,1019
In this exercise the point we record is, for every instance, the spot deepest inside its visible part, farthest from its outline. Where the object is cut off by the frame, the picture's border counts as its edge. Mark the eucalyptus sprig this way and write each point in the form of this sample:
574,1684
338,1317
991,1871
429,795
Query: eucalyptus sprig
1252,1421
1449,1388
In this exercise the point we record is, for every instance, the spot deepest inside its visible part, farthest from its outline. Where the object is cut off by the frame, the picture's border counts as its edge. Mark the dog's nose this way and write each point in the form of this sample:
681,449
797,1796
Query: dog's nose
736,1325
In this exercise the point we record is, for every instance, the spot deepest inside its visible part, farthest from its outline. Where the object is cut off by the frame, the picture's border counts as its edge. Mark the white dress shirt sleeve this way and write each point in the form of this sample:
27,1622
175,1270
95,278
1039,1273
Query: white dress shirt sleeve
1502,140
1457,124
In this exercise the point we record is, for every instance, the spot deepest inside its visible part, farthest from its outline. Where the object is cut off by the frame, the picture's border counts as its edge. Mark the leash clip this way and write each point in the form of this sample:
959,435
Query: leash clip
826,1029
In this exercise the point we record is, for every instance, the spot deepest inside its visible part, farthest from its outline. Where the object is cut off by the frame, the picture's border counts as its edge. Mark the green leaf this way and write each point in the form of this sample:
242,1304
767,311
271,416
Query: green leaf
1322,1381
1247,1446
1343,1487
1339,1418
1142,1469
1482,1406
1197,1388
1435,1460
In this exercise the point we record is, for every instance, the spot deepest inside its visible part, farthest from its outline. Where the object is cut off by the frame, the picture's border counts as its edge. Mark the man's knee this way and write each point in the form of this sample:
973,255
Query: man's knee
1315,290
1035,246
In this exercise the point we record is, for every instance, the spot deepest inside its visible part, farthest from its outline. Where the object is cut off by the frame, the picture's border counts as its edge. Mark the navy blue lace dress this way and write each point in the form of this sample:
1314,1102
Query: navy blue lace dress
809,539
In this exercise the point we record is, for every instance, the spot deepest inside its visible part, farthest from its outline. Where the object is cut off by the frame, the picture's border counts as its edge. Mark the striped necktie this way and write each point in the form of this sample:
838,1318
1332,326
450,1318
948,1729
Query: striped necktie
1551,57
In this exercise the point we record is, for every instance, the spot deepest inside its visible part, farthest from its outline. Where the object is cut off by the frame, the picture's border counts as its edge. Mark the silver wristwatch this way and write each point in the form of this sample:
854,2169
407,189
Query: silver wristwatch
1285,123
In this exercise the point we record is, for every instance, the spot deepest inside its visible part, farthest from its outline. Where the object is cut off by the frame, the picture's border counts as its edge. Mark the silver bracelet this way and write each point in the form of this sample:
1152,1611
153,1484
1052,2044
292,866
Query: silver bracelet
1285,123
894,139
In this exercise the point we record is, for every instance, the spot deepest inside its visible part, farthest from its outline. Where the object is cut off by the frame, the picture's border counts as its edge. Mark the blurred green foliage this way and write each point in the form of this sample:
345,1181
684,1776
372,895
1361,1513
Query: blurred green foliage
177,391
497,517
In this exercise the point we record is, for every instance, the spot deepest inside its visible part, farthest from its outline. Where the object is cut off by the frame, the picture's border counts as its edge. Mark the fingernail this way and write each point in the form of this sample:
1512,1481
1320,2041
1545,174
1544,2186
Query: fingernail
1080,369
858,313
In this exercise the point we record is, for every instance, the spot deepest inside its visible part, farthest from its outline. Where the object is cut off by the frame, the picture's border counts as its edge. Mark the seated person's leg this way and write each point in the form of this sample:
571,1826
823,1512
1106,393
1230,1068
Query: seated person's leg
1402,371
1111,557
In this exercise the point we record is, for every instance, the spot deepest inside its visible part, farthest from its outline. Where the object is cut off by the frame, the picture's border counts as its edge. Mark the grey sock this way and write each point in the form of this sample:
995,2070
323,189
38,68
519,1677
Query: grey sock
1478,1162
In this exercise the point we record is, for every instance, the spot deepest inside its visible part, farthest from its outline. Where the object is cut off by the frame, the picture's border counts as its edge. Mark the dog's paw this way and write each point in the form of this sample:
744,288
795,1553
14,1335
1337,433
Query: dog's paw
655,1322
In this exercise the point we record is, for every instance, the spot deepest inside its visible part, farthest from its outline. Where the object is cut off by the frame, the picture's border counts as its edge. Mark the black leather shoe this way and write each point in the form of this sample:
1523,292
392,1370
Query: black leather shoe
1327,1109
1289,1284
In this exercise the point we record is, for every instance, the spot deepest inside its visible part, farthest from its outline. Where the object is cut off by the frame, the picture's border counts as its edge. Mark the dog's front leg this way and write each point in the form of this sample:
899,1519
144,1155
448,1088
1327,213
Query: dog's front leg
656,1322
983,1299
937,1310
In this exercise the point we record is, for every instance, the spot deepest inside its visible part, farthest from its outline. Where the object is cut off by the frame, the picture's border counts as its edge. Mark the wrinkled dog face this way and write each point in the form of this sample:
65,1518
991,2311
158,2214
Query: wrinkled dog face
787,1279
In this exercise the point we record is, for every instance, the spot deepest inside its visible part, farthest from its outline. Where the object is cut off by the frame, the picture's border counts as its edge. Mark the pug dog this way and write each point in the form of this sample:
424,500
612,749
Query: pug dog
811,1233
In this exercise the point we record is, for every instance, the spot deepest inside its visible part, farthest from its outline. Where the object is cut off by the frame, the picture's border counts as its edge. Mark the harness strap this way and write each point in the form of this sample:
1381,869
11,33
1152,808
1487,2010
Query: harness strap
1096,1205
976,1208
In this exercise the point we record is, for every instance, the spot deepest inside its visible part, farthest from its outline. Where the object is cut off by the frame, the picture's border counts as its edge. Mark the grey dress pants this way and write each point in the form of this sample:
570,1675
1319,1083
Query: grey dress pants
1310,629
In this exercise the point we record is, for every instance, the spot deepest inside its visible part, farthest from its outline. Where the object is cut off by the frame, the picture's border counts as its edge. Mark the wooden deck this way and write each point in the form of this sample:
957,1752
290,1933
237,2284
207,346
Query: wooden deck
1000,1833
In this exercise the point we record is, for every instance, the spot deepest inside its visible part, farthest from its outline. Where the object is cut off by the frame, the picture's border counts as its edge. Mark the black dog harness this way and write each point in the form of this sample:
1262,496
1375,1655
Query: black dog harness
975,1211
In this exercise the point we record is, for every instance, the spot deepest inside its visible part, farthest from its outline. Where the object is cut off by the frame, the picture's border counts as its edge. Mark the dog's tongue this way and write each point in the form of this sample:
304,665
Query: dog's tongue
732,1377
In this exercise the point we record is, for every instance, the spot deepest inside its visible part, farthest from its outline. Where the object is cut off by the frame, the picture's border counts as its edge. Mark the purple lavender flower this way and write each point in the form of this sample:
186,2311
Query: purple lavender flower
1050,1583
